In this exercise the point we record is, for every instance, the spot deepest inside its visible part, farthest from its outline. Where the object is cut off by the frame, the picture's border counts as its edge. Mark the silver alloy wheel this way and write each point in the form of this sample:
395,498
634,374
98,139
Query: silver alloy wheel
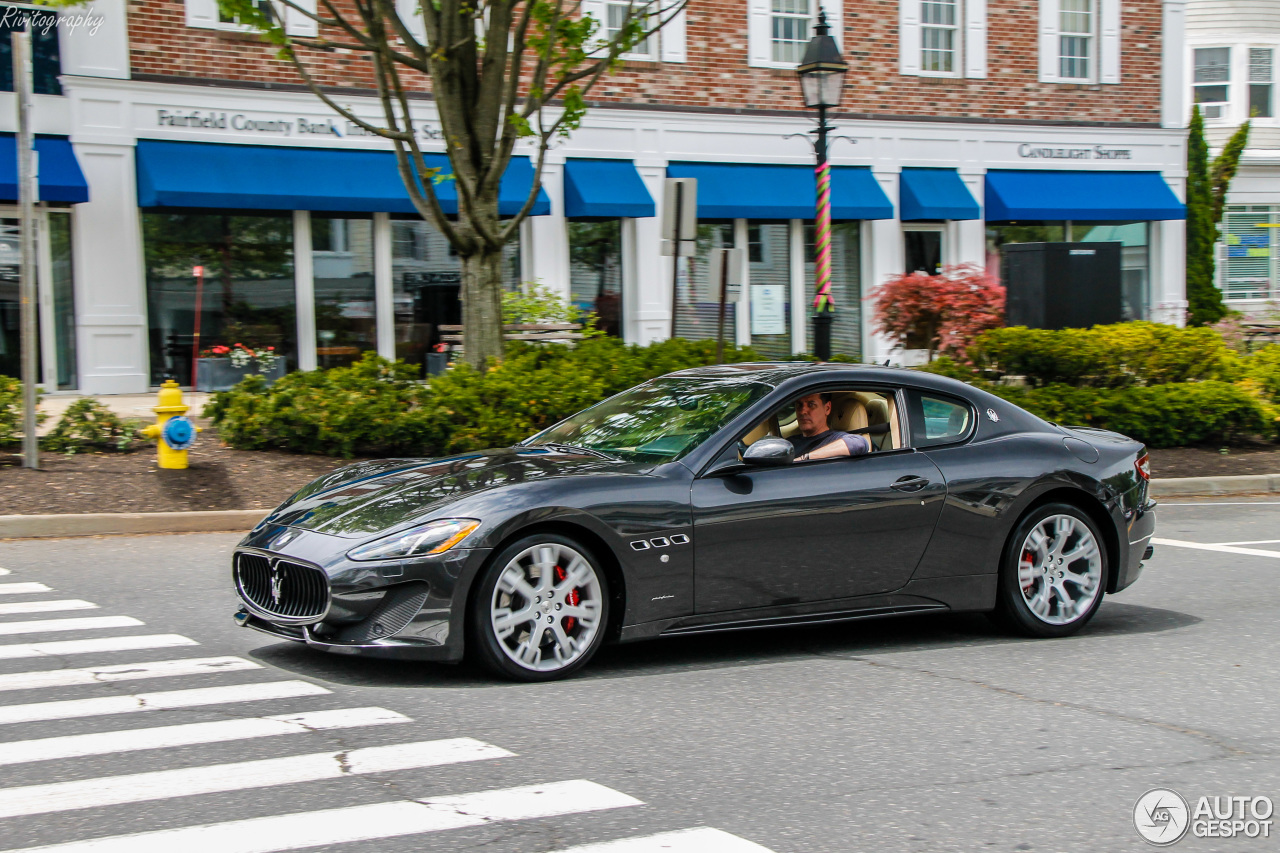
1060,569
546,607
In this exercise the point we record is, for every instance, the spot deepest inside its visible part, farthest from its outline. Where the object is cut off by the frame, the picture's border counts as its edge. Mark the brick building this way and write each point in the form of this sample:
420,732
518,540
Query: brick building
965,125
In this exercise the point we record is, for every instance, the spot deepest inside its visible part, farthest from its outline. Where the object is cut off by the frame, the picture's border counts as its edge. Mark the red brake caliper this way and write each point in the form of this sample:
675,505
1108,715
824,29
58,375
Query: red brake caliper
1028,557
573,598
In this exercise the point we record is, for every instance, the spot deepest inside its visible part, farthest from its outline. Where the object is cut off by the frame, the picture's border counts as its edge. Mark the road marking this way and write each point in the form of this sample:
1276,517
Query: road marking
703,839
85,623
240,776
1226,503
82,647
363,823
163,737
46,606
1252,542
1224,549
4,571
159,701
22,588
123,672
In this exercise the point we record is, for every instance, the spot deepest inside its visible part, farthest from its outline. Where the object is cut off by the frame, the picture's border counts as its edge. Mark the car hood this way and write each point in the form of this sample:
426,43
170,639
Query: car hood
373,497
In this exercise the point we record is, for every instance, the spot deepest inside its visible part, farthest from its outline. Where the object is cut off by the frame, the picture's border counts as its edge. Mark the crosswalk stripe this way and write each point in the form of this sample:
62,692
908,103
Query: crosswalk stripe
220,731
84,647
22,588
703,839
240,776
123,672
160,701
362,823
84,623
4,571
46,606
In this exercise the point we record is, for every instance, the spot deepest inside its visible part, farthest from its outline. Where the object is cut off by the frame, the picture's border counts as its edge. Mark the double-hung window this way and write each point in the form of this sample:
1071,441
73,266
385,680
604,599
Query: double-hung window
1076,52
1260,82
1212,80
939,36
792,23
206,14
616,12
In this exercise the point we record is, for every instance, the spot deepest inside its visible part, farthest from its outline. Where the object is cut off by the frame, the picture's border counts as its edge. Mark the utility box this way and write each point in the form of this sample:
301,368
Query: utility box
1062,285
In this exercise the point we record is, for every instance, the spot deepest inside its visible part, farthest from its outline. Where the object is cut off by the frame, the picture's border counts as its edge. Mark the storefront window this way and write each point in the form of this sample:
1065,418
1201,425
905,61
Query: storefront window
10,301
248,293
595,271
922,250
1135,263
770,278
64,306
846,287
1249,260
698,308
342,263
426,279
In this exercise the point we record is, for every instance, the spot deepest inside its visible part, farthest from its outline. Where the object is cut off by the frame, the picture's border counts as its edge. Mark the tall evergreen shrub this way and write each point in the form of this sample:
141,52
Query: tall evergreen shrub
1205,300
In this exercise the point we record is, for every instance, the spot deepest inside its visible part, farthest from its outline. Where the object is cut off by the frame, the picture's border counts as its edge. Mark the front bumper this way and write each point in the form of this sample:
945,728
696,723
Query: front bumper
394,648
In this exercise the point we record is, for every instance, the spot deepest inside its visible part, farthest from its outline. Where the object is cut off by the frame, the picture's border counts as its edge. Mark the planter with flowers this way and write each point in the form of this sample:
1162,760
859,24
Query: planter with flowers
220,368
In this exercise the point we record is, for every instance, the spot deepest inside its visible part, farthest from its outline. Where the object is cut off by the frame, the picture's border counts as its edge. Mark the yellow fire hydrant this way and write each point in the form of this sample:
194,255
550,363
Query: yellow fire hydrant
173,432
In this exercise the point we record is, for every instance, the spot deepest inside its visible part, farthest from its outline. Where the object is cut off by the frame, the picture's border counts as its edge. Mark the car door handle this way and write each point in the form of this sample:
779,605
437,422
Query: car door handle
910,483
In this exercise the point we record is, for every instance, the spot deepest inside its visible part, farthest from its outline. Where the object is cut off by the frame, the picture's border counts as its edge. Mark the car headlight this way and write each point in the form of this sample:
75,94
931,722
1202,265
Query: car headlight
434,537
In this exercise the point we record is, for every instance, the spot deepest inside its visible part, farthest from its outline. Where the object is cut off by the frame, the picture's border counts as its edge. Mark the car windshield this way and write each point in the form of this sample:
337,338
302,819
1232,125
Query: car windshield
659,421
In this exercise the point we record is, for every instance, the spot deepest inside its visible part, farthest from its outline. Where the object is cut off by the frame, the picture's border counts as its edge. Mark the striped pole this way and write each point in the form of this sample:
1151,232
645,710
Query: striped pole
822,300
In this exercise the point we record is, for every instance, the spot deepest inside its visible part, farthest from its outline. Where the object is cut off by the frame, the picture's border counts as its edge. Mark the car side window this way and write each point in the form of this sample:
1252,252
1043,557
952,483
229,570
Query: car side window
936,419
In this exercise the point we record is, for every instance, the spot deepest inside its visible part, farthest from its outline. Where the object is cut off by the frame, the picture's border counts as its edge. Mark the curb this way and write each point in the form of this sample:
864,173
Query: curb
127,523
238,520
1244,484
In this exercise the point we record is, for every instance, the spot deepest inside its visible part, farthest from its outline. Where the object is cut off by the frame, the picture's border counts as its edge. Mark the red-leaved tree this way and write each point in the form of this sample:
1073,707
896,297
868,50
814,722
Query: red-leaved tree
941,313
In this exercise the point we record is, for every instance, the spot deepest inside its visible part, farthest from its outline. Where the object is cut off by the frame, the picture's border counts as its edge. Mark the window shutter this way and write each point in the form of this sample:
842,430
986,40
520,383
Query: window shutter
202,13
298,24
596,9
909,36
1109,49
1049,41
835,18
759,33
672,39
411,16
975,38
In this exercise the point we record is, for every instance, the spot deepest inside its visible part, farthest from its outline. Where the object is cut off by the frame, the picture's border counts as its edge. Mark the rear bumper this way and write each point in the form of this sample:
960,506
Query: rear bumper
404,648
1140,527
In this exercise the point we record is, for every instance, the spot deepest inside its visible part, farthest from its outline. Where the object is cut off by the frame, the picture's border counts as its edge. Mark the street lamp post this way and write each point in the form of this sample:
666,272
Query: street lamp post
822,71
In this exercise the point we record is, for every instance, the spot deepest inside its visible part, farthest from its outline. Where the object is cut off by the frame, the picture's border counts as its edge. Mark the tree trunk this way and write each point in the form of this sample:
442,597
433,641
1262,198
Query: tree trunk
482,307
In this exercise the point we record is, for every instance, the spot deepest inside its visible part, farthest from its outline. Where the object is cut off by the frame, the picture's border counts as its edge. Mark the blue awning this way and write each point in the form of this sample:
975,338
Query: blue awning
935,194
59,171
605,188
749,191
1080,196
259,177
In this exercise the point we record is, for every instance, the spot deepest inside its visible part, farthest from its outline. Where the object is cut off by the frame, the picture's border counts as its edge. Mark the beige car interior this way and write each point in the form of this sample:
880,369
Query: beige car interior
850,410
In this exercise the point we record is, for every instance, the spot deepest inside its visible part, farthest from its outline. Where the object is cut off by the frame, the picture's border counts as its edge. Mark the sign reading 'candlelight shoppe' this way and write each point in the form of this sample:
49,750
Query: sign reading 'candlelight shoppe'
1057,152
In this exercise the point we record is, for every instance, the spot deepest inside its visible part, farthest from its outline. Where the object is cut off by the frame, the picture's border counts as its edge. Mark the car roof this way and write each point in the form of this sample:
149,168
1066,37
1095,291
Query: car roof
777,373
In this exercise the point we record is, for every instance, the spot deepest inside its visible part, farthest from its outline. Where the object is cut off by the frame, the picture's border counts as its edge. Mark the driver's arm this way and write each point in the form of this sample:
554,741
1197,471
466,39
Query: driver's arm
843,445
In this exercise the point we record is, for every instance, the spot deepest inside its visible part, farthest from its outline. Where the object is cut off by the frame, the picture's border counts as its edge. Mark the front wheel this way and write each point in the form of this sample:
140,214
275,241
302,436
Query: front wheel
540,609
1053,574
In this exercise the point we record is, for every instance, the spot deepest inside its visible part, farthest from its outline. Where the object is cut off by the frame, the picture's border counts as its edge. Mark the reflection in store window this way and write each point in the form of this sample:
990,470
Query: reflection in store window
64,306
846,287
342,263
595,271
249,295
698,311
770,279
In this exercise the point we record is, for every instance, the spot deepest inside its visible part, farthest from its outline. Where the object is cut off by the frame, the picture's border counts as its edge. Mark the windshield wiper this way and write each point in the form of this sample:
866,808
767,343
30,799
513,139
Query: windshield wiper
572,448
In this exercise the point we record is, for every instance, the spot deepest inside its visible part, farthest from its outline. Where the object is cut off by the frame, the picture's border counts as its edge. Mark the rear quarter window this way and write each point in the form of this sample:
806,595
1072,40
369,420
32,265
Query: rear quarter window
939,419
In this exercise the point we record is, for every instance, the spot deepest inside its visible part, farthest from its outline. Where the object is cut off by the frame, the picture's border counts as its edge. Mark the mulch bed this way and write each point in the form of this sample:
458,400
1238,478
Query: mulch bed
222,478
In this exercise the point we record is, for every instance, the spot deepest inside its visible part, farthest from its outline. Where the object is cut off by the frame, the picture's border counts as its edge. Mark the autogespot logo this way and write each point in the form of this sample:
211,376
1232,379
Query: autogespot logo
1161,816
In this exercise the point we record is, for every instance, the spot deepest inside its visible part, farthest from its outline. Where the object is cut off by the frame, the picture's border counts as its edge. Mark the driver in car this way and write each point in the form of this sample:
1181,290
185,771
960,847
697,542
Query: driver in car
815,439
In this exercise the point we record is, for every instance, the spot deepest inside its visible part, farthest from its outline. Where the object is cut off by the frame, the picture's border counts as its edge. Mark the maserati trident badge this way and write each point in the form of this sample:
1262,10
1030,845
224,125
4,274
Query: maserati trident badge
277,585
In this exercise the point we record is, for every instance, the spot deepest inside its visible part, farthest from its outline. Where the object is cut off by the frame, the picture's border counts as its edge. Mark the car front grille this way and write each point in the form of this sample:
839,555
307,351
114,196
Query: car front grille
282,587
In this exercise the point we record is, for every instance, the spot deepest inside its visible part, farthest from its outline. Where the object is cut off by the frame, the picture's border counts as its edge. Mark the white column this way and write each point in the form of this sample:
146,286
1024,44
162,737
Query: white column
630,284
1168,255
799,306
1175,83
881,258
651,320
971,234
549,243
741,240
44,298
384,286
111,296
304,290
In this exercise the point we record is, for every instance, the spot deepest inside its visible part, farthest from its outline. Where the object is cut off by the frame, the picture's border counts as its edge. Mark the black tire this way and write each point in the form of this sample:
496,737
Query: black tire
1014,612
483,643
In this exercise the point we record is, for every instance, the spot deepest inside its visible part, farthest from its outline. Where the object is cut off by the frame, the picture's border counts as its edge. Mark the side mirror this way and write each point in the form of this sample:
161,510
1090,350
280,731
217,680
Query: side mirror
768,452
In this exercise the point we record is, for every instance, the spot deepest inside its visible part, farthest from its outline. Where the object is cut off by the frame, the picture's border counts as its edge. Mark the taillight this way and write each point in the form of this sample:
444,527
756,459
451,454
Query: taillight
1144,467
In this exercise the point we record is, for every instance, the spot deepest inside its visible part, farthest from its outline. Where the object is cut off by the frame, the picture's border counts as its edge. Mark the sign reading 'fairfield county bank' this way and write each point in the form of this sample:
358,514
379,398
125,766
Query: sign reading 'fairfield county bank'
296,126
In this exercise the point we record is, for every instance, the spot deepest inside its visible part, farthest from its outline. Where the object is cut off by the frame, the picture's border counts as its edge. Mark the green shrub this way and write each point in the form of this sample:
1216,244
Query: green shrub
1169,415
11,411
1263,368
1116,356
87,424
375,407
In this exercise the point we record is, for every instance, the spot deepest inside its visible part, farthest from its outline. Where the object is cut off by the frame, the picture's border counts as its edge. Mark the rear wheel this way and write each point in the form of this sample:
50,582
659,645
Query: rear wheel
1053,574
540,610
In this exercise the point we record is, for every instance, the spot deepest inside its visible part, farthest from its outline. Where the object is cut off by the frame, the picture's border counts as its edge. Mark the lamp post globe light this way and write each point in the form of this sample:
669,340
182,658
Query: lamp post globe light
822,71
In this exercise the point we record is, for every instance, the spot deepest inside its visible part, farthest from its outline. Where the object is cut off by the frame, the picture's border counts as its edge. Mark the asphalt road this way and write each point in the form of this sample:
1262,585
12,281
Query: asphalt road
925,734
